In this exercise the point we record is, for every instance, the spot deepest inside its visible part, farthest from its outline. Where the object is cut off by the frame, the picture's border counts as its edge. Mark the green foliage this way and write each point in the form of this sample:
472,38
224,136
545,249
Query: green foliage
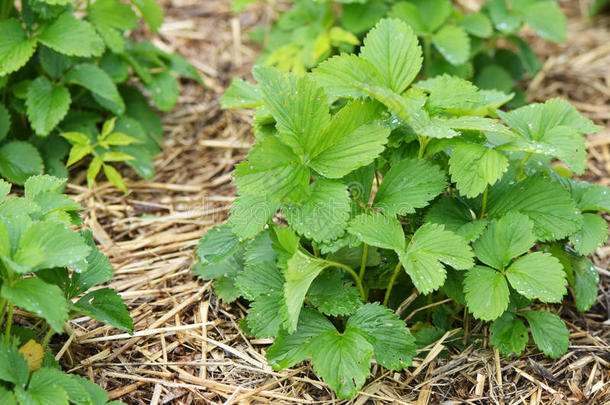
68,67
46,269
454,40
385,187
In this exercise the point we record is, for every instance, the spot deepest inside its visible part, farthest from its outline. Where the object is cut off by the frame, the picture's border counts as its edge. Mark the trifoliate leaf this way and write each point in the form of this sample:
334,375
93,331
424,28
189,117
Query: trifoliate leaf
538,275
241,94
477,24
505,238
487,292
546,19
473,167
585,283
333,295
274,171
249,215
300,272
593,234
298,105
72,36
549,332
96,81
508,335
106,306
392,47
40,298
394,347
338,74
15,46
260,279
47,104
453,43
266,314
547,204
324,215
408,185
456,217
151,11
342,360
378,230
290,349
429,248
13,365
19,160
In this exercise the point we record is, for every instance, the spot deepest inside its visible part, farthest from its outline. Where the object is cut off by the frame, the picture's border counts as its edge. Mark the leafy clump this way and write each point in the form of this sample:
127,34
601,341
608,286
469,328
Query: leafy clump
68,67
48,270
455,40
389,189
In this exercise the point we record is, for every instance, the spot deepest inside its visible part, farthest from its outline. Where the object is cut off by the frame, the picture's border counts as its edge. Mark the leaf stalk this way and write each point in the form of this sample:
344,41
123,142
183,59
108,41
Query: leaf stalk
388,290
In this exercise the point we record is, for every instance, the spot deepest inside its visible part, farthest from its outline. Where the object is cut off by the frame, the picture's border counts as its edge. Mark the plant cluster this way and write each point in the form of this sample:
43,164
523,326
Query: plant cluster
481,46
367,197
48,270
68,66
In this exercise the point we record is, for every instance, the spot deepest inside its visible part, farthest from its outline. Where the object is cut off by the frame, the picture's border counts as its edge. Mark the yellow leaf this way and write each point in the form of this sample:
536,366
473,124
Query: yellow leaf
33,353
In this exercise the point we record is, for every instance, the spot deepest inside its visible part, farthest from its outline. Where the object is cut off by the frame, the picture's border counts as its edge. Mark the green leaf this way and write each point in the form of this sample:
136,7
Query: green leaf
504,20
300,272
290,349
333,295
324,215
487,292
112,13
274,171
473,167
18,161
547,204
5,189
5,122
77,153
77,394
106,306
93,270
409,13
94,168
13,366
114,177
429,248
164,90
40,298
593,234
453,43
75,137
392,47
217,244
151,11
457,217
72,36
7,397
15,46
594,198
265,315
41,392
96,81
505,238
549,332
394,347
249,215
408,185
358,17
260,279
225,288
477,24
47,245
47,104
241,94
116,157
508,335
378,230
538,275
585,283
118,138
298,105
546,19
342,360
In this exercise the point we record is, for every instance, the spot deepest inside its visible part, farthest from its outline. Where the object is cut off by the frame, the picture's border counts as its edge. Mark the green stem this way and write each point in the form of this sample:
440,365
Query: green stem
484,204
7,7
352,273
47,337
316,253
423,142
2,310
427,56
388,290
520,174
365,253
9,323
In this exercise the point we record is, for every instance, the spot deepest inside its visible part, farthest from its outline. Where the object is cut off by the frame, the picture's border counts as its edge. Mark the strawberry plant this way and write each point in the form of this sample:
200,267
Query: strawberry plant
48,270
68,66
454,41
366,189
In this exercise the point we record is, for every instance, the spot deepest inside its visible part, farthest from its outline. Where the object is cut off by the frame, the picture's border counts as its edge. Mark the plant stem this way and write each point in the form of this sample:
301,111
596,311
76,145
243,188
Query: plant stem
7,6
353,274
365,253
484,204
9,322
423,142
2,310
520,175
316,253
388,290
47,337
427,56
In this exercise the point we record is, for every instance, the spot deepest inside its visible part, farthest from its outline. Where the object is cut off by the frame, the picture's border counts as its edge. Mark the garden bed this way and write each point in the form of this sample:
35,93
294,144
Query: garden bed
188,347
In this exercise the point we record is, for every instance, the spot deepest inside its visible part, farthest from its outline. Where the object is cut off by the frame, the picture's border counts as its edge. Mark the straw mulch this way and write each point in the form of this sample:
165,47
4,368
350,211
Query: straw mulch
188,349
